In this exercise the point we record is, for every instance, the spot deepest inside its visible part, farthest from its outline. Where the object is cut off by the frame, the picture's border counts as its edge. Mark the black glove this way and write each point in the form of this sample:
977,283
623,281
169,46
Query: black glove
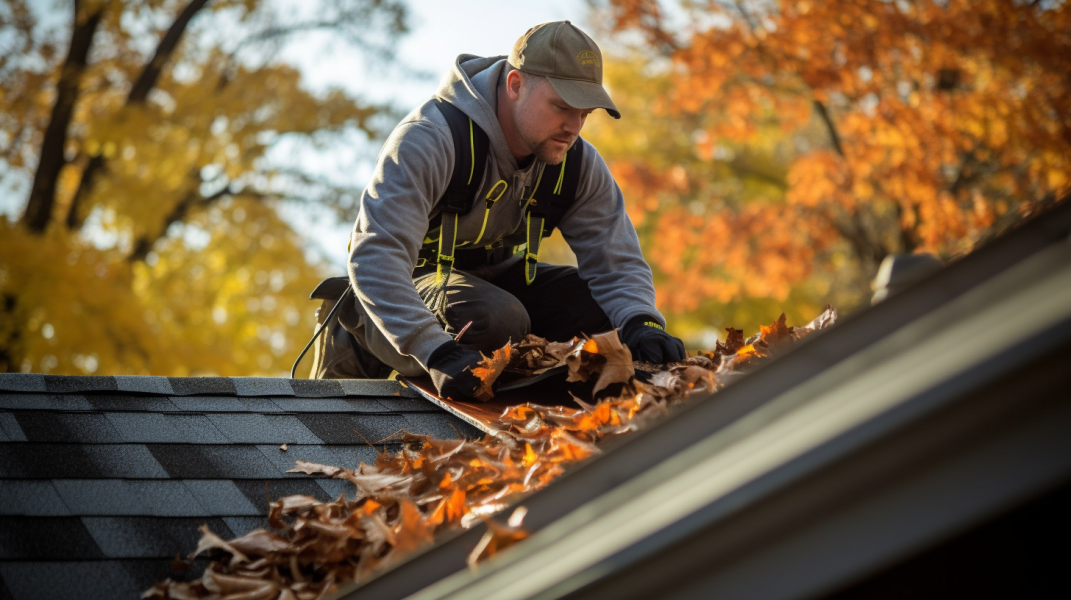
451,367
650,343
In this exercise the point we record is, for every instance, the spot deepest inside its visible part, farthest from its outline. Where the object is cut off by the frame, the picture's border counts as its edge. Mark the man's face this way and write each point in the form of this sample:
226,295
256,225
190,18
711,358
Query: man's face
544,121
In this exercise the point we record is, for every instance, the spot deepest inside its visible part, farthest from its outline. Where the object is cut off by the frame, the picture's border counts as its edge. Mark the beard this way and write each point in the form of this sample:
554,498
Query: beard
548,151
544,149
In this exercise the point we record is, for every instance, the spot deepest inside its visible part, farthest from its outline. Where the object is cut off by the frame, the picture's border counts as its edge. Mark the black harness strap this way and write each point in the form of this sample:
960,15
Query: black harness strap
554,194
471,147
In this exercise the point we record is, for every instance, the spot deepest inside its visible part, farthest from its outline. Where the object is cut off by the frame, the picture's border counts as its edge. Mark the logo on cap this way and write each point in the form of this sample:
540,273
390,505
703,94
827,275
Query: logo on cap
588,57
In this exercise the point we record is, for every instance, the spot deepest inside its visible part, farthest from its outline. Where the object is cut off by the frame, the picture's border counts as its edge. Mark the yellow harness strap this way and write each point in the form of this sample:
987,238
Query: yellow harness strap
531,257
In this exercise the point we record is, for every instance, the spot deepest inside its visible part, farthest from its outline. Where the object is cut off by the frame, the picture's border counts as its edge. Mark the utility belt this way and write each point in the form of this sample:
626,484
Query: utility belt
472,258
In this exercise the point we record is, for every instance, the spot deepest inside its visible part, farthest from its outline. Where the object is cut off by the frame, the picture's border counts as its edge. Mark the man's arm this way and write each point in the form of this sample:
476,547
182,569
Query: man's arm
411,174
609,258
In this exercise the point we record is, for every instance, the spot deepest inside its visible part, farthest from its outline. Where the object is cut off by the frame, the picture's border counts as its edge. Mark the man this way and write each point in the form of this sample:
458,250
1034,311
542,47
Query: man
413,295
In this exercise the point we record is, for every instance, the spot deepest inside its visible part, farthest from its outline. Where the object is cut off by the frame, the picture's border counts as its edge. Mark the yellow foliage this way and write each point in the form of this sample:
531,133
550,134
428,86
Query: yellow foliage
171,259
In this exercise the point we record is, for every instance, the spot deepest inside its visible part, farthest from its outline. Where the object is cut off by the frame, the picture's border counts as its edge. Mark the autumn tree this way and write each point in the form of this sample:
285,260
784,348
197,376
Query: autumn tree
150,239
812,139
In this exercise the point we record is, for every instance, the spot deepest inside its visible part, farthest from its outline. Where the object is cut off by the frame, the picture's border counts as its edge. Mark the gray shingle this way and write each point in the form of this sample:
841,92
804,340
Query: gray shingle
335,456
263,429
243,525
202,386
316,388
104,497
94,497
262,386
196,429
45,538
220,497
353,429
291,429
374,388
208,404
257,491
71,461
138,574
11,428
352,456
284,461
168,498
149,537
408,405
132,403
183,461
441,425
31,498
22,382
259,405
67,384
144,428
245,428
336,487
333,405
68,580
52,426
146,384
44,402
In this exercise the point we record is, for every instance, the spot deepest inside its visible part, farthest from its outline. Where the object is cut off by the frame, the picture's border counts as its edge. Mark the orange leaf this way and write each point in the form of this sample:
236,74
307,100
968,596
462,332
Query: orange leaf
488,371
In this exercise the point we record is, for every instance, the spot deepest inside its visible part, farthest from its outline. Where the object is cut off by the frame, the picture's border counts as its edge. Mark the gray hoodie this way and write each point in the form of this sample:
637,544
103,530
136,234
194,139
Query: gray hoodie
411,175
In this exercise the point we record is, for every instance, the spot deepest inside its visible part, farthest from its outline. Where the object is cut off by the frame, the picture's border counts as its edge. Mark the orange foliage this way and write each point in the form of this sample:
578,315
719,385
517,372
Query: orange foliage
909,126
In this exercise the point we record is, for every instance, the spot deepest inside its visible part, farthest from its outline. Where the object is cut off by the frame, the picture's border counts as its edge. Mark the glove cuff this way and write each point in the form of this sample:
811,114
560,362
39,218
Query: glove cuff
443,352
642,321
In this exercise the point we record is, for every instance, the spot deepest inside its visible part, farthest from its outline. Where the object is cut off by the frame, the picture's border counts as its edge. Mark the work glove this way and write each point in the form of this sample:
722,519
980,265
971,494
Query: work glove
649,342
450,367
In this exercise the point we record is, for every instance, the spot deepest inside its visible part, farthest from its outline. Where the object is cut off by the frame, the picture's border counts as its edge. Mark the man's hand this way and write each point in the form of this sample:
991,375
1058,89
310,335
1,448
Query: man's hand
650,343
451,368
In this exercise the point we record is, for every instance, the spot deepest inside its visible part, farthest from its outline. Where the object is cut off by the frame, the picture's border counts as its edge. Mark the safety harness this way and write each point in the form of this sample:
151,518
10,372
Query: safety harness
545,208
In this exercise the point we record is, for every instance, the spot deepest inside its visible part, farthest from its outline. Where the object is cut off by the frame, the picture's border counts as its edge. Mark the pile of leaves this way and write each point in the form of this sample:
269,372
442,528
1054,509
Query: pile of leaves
404,498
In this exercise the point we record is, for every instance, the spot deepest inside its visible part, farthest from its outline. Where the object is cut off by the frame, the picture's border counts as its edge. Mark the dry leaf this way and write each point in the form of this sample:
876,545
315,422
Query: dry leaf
498,537
309,468
284,447
618,366
405,497
488,371
259,543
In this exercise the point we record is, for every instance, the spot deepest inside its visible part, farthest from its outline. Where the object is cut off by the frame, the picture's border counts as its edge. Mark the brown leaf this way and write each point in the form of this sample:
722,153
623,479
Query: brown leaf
284,447
211,541
412,531
776,332
259,542
488,371
498,537
309,468
618,367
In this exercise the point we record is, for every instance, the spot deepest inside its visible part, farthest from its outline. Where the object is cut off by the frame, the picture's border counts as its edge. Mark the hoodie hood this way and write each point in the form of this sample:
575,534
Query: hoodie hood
472,86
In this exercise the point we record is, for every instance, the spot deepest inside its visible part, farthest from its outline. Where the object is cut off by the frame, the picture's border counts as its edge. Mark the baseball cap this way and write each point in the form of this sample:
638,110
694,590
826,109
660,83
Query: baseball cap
570,61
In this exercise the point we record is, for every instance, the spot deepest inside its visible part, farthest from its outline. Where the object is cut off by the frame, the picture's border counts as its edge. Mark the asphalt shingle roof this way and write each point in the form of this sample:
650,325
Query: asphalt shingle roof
104,479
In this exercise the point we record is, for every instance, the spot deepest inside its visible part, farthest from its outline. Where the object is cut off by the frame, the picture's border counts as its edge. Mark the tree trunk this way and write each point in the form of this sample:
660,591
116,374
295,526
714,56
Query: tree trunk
144,84
43,193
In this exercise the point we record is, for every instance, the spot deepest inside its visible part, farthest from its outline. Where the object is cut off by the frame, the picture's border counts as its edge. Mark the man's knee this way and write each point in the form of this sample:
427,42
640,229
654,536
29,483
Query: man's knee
496,321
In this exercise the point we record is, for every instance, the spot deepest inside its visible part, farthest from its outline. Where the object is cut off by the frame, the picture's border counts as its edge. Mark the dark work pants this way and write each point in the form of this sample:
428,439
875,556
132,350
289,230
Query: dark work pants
498,302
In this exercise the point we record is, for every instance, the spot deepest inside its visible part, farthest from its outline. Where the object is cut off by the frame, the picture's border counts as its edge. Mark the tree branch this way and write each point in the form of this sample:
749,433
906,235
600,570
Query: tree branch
834,137
143,245
151,72
43,192
139,92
